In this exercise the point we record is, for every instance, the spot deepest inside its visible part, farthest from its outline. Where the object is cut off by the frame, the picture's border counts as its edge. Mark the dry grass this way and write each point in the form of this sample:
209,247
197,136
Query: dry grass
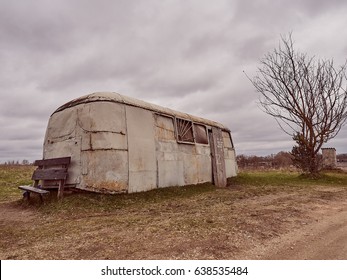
193,222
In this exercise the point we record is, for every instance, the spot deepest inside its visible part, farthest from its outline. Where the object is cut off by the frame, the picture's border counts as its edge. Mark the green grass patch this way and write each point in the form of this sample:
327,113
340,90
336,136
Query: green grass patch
11,177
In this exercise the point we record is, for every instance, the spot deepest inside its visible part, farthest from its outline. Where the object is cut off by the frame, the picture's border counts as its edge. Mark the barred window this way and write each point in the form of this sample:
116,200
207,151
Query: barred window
189,132
184,130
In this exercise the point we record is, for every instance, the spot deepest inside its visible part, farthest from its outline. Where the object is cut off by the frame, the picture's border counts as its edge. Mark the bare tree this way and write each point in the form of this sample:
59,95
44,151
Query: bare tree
307,97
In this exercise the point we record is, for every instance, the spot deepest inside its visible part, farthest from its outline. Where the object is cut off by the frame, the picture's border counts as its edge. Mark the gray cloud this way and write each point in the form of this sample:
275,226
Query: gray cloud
186,55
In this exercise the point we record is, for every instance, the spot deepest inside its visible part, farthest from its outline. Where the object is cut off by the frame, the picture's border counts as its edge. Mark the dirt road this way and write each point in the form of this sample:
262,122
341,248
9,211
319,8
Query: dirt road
324,239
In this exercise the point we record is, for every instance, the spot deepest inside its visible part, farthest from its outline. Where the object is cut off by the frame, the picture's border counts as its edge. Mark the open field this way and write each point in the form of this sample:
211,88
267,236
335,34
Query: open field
256,212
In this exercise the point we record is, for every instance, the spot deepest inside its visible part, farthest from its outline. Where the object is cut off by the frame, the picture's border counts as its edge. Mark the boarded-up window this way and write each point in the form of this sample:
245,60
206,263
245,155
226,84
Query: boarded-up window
184,130
164,128
200,134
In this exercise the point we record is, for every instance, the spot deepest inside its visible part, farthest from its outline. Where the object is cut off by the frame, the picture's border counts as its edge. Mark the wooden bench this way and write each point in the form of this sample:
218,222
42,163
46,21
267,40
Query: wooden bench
52,173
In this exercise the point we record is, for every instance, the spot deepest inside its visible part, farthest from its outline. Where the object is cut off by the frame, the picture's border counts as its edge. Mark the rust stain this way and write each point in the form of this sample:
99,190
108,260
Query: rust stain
164,134
107,186
164,129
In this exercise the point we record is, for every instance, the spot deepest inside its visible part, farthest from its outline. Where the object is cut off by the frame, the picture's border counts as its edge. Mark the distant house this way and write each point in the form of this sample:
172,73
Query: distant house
121,144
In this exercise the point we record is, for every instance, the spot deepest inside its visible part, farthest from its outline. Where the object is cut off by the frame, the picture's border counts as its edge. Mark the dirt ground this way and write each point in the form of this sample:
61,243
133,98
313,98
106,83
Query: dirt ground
221,224
322,237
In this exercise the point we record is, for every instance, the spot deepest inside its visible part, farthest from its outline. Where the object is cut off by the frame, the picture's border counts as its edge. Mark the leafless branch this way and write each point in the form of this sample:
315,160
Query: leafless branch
307,96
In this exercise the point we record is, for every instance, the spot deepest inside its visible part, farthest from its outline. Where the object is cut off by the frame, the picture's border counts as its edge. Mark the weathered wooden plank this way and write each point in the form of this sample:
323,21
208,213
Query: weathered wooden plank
60,190
50,174
32,189
53,161
218,162
54,177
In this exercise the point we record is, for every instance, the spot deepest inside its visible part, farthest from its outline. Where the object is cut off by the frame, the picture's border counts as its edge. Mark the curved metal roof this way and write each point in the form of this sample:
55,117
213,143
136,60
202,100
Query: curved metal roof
118,98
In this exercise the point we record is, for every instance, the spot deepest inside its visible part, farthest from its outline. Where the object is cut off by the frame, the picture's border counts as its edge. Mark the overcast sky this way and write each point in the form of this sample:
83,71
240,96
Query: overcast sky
182,54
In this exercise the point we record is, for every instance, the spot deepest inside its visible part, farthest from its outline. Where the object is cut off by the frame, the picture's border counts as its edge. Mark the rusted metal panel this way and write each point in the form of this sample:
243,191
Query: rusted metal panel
105,171
65,148
227,139
229,155
108,140
86,143
190,168
188,149
167,147
62,125
230,167
170,173
102,116
204,167
142,180
180,164
103,141
197,168
142,150
170,167
218,162
164,128
203,150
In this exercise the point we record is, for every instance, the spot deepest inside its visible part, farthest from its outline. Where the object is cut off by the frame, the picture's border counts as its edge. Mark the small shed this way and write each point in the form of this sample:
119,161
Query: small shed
329,157
121,144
